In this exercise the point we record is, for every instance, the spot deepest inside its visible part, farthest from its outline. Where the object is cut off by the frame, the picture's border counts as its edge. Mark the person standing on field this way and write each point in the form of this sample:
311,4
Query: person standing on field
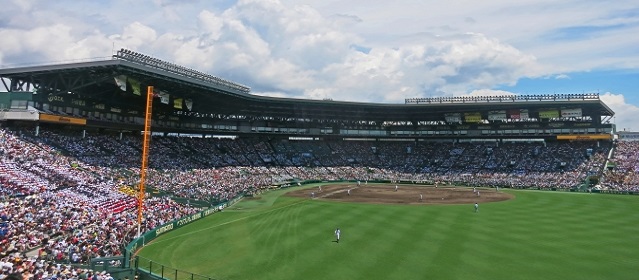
476,207
337,234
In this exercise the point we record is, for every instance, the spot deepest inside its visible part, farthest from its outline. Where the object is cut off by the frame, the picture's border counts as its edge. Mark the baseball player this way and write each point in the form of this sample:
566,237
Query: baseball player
337,234
476,207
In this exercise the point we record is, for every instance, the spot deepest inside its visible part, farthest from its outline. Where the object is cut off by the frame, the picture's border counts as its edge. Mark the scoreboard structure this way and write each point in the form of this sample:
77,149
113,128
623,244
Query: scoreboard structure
109,94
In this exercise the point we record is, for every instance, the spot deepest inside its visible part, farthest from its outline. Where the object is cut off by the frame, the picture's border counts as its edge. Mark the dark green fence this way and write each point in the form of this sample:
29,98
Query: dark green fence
150,270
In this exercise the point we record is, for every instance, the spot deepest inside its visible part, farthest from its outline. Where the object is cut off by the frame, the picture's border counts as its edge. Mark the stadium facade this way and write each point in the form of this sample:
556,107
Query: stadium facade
109,94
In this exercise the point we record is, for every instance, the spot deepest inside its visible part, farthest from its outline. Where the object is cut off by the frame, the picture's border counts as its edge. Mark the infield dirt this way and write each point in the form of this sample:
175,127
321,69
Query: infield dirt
405,194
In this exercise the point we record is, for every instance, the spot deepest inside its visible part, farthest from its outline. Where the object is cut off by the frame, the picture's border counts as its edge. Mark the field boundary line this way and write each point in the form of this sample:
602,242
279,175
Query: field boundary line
222,224
335,192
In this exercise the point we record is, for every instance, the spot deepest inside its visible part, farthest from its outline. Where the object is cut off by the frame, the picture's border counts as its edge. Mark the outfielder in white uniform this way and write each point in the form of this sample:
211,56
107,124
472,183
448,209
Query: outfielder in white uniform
337,233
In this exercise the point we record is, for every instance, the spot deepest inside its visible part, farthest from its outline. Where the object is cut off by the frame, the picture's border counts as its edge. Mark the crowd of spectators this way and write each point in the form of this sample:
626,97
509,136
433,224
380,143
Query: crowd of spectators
20,267
76,212
623,174
70,195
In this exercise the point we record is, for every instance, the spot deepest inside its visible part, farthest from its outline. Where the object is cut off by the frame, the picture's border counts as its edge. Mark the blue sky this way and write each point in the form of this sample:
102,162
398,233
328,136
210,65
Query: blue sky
356,50
599,81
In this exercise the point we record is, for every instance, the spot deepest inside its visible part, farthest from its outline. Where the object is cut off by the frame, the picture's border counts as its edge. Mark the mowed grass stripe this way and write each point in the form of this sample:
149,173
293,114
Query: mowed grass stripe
363,231
572,230
332,259
304,246
550,235
289,247
380,237
227,228
319,248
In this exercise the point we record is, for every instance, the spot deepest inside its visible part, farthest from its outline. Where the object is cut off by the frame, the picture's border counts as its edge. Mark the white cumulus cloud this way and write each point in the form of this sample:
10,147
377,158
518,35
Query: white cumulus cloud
343,50
625,114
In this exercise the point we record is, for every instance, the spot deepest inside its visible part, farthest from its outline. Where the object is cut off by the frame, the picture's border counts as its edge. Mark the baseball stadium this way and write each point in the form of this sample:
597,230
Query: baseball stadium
137,168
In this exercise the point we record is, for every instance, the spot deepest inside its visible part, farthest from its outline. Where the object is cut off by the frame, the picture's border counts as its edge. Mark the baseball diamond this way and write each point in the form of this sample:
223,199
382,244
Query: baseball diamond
285,234
407,194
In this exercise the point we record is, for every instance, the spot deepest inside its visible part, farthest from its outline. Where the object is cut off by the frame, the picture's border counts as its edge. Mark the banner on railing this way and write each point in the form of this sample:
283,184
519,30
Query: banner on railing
584,137
62,119
497,115
568,113
548,114
473,117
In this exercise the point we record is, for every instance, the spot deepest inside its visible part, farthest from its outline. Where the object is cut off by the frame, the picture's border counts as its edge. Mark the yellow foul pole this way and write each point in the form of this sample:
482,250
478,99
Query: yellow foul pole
145,153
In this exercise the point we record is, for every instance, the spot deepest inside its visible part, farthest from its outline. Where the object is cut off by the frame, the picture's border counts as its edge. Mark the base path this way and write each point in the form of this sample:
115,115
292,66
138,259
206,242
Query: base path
406,194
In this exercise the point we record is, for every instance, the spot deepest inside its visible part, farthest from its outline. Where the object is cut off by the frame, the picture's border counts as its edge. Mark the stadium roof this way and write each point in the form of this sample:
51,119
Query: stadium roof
94,80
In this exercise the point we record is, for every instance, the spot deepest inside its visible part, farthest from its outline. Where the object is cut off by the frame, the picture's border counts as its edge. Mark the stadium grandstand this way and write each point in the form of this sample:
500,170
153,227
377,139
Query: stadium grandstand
109,94
71,147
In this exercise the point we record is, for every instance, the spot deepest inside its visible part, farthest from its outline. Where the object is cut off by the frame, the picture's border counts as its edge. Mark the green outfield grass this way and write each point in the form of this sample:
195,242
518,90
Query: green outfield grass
537,235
